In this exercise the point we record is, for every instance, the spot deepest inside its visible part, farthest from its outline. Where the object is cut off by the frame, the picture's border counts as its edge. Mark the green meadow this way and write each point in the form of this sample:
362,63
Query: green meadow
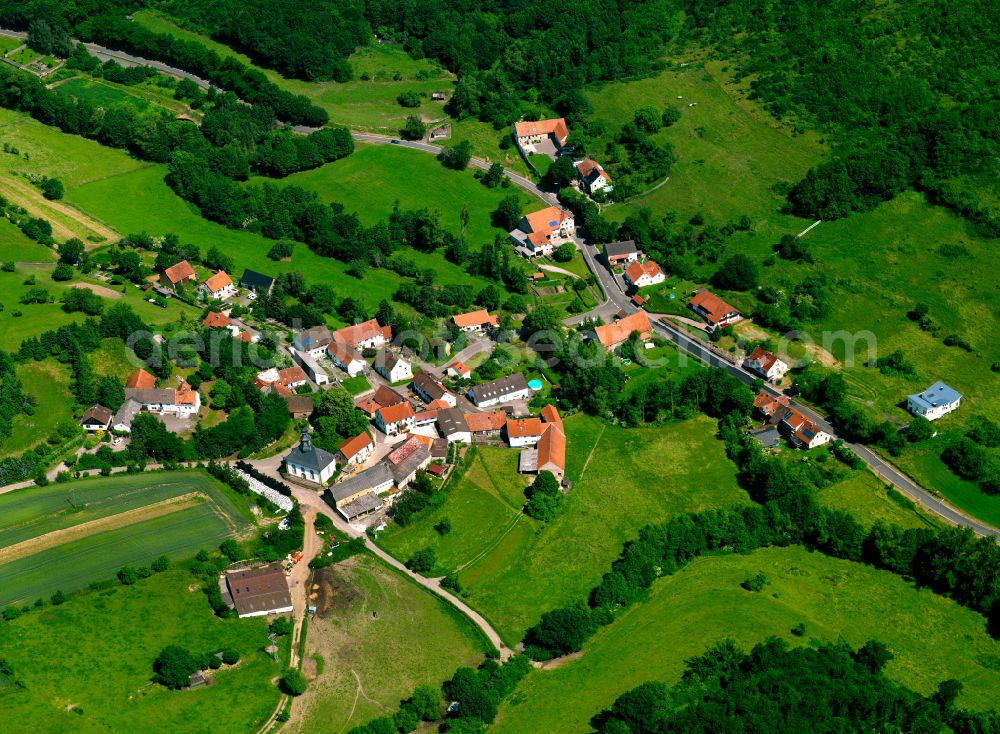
931,638
73,565
377,177
371,633
86,666
369,103
515,568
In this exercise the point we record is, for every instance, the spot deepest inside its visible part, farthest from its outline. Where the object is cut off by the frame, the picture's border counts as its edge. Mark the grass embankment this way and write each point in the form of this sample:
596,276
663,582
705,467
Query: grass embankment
370,104
931,637
379,636
33,513
86,665
515,568
878,265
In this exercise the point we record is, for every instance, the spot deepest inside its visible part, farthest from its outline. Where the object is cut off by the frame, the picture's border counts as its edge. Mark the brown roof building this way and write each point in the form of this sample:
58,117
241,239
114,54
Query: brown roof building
259,591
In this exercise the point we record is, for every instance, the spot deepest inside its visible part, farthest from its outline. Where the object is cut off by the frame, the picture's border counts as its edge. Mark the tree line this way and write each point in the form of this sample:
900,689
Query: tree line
107,24
234,137
303,39
951,561
824,689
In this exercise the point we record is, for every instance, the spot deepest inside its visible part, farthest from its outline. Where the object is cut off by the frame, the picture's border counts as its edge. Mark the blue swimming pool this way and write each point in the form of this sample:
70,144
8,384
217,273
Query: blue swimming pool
535,384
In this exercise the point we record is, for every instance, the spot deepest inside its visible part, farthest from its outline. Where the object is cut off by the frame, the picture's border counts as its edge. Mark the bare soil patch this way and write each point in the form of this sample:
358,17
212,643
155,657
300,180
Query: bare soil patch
99,290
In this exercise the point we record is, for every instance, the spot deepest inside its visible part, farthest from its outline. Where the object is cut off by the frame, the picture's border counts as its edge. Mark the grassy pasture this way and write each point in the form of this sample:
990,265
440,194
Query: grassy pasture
86,665
729,152
99,93
932,638
376,177
371,663
515,568
38,317
360,103
75,564
14,245
864,496
48,382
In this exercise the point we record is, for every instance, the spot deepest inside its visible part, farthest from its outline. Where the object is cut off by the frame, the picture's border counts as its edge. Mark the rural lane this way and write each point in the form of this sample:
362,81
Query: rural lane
615,298
311,499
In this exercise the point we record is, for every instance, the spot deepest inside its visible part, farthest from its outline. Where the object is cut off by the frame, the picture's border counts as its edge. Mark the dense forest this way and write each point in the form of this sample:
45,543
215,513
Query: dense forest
827,689
908,91
306,39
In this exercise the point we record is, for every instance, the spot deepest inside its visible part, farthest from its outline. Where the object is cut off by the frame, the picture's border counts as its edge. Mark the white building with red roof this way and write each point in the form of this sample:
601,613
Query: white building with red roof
539,233
644,274
593,177
541,136
766,364
716,312
219,286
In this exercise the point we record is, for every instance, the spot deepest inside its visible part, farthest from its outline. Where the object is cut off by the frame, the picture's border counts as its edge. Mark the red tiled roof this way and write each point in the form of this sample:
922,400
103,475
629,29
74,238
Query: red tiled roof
181,271
484,422
291,375
610,335
765,358
524,427
636,270
216,320
395,413
353,335
555,126
141,379
711,306
218,281
588,166
460,367
475,318
545,220
552,449
352,446
405,450
550,414
185,395
386,396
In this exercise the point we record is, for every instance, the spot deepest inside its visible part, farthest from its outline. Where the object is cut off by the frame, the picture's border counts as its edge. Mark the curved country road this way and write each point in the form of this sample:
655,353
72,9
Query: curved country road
616,300
309,498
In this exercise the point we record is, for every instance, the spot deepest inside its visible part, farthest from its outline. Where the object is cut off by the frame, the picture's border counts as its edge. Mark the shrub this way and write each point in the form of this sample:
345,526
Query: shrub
443,527
160,564
128,575
755,583
408,99
173,666
422,561
293,682
230,656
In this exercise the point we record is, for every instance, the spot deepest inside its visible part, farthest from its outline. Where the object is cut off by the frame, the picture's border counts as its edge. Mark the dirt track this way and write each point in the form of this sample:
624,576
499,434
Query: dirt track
103,524
24,194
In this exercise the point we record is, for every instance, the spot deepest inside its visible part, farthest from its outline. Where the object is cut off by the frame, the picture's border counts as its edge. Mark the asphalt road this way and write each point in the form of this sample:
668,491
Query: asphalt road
616,300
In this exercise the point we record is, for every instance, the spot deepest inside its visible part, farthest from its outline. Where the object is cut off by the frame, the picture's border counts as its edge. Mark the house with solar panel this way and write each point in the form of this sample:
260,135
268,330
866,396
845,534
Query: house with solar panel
539,233
934,402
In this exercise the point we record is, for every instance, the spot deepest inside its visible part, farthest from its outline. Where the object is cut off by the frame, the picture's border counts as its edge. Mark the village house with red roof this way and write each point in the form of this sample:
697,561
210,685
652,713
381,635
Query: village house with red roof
219,286
766,364
716,312
593,177
539,233
643,274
